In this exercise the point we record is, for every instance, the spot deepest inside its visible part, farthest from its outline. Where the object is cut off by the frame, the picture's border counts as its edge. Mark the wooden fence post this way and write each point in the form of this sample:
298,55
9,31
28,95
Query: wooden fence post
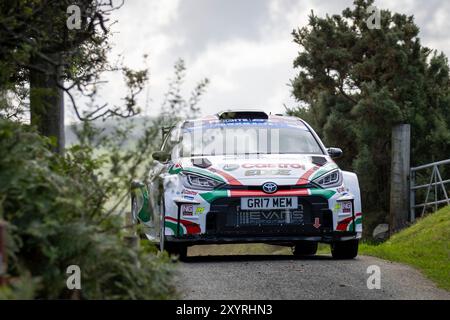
400,169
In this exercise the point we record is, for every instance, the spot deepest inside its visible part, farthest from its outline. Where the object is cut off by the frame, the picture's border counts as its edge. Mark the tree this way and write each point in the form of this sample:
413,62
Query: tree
175,106
355,84
38,50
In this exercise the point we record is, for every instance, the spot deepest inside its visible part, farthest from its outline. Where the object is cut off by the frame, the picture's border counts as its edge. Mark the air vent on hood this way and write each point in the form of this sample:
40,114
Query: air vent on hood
202,163
319,161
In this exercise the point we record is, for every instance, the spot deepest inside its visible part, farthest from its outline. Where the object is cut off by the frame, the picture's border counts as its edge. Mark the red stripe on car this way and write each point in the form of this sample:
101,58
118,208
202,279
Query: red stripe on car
304,179
191,227
257,193
343,224
230,179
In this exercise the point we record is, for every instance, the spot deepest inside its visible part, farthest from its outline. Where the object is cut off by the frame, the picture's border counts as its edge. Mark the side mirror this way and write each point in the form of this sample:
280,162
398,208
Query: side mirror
335,153
161,156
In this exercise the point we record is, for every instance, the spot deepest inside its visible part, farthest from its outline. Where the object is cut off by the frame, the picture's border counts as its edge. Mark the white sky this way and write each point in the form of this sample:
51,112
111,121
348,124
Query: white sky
244,47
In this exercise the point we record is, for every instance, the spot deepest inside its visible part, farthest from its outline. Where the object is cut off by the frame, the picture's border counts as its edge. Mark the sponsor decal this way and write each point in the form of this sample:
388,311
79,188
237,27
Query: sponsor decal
347,207
273,165
189,192
199,210
343,207
228,177
187,209
230,167
337,207
265,217
253,173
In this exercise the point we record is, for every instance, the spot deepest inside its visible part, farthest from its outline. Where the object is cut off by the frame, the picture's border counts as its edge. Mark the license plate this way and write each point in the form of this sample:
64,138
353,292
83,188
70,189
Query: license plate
269,203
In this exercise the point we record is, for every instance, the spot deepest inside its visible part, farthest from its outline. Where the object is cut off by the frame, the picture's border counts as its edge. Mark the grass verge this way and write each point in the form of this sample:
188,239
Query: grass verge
425,245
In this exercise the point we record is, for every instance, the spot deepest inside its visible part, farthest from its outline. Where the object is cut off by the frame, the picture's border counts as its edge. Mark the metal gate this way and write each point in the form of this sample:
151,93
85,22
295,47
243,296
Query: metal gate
436,187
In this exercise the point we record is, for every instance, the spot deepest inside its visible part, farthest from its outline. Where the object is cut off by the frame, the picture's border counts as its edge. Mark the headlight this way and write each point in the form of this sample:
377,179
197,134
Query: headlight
330,180
196,181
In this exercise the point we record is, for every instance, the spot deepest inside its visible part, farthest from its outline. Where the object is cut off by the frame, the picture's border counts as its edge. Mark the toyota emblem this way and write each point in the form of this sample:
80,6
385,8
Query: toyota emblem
270,187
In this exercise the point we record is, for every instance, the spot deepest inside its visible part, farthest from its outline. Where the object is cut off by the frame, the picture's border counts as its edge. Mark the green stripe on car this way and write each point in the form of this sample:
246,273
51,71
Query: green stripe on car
173,226
323,193
214,195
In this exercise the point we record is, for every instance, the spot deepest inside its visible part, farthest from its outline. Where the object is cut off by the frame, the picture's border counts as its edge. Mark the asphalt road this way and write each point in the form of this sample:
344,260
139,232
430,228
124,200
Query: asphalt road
286,277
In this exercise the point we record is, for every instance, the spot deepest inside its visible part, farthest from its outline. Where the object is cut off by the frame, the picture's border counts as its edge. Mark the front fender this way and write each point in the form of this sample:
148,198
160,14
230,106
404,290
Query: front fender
352,184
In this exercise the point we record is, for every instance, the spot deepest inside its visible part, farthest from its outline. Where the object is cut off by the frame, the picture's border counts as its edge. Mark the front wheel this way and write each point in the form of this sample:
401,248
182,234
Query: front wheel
176,250
344,249
305,248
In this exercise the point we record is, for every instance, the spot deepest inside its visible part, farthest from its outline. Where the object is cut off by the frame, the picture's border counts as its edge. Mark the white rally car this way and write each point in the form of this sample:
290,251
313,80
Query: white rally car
248,177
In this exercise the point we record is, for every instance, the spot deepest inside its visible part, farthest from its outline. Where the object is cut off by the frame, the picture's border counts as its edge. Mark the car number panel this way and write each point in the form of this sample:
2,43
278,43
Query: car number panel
269,203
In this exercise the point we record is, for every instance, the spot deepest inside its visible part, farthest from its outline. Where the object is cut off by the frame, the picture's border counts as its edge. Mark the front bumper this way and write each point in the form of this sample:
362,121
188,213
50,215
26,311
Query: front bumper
226,223
311,218
281,239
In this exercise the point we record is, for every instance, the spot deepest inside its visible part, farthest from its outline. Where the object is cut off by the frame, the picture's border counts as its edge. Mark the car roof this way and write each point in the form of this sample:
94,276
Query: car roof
270,116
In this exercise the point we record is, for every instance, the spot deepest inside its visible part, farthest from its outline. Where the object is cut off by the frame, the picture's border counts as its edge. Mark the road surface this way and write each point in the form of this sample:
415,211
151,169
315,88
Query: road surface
287,277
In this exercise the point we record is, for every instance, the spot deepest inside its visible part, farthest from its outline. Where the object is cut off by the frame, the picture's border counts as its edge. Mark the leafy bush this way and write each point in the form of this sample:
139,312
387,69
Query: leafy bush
56,210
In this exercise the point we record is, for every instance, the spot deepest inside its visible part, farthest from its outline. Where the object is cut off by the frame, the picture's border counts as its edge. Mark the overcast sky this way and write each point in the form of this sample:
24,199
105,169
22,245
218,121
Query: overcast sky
244,47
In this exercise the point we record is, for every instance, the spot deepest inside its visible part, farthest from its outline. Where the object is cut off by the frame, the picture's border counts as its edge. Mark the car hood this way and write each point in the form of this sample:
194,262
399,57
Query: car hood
295,169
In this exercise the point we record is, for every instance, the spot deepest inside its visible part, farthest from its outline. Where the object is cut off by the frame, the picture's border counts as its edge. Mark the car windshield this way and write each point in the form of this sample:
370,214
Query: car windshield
245,137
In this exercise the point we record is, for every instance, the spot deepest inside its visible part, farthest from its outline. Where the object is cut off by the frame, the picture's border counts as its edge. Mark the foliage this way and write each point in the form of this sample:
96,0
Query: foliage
175,106
41,57
355,84
69,210
425,245
57,217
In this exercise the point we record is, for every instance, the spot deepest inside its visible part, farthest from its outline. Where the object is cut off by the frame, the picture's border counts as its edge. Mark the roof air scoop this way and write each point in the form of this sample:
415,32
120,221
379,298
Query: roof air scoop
242,114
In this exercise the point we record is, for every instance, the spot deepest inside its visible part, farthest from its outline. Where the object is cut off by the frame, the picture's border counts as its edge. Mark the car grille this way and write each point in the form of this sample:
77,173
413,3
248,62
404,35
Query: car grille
269,217
225,217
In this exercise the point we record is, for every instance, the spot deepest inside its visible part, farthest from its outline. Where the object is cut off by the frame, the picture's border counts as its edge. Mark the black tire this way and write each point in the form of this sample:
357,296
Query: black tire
344,249
305,248
176,250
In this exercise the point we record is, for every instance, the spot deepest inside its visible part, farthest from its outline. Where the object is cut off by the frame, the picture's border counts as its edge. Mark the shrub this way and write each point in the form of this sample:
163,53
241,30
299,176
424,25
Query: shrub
56,210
